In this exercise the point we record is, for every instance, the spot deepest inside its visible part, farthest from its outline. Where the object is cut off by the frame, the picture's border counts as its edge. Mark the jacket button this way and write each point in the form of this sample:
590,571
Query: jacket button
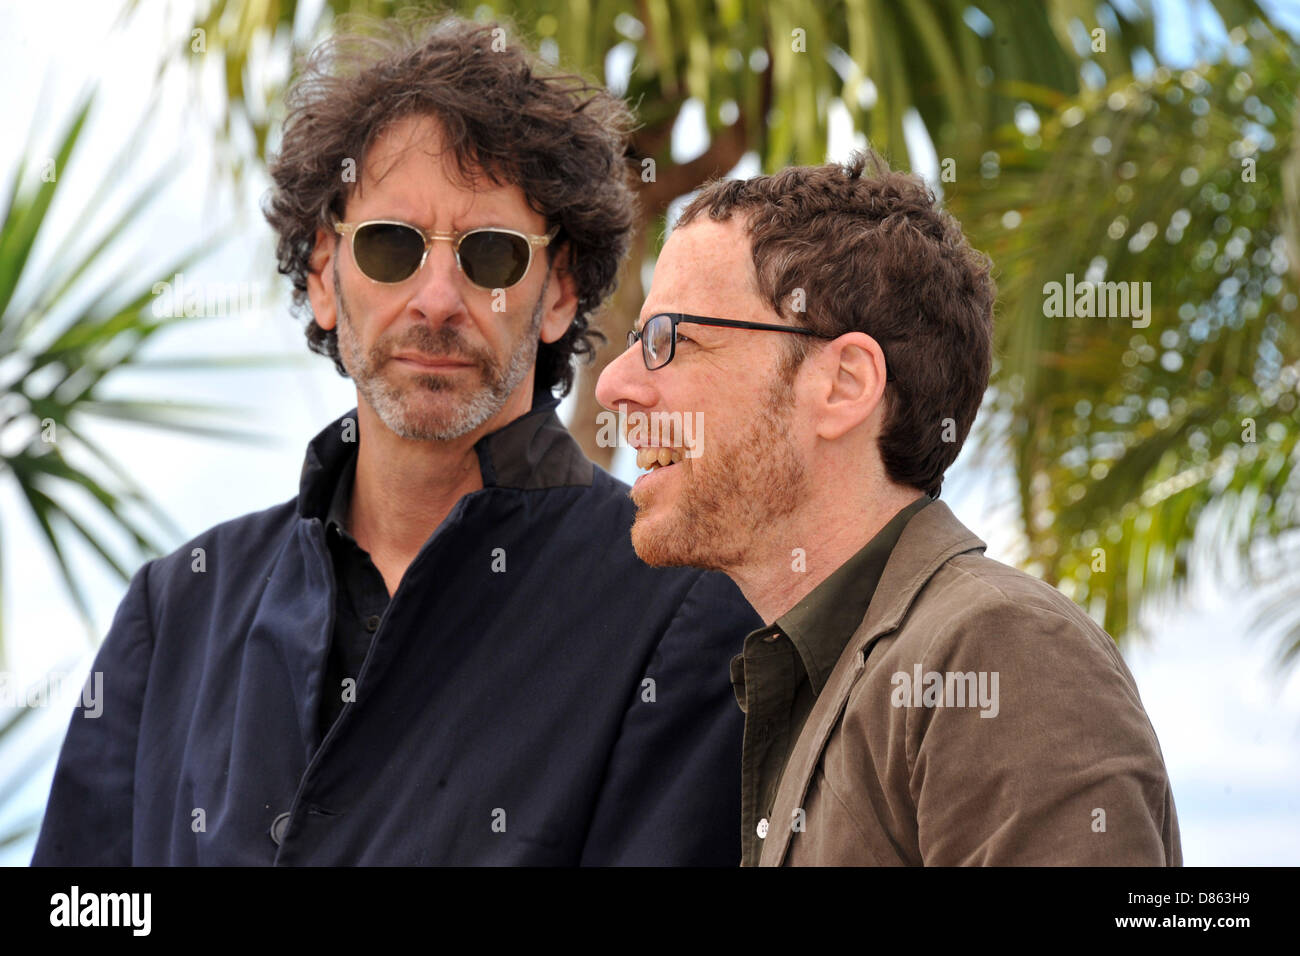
278,826
372,622
762,829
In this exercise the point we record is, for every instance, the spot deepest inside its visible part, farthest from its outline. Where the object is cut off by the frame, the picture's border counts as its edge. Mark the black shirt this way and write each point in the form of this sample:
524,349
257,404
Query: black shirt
360,599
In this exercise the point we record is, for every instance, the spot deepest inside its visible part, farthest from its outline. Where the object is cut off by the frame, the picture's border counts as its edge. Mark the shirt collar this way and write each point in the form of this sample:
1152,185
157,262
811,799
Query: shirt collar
535,451
821,624
341,503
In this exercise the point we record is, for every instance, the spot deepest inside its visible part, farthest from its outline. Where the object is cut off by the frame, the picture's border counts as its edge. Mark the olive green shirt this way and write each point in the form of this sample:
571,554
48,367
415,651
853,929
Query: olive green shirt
784,667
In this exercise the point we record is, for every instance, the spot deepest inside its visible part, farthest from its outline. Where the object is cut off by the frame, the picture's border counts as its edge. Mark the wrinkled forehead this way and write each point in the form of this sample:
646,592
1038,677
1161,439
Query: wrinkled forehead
409,162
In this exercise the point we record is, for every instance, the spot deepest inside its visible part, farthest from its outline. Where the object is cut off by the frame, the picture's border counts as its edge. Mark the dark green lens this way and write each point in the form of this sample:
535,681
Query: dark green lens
388,252
493,259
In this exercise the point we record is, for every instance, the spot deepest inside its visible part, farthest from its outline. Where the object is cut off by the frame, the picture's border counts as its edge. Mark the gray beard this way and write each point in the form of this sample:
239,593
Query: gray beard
387,400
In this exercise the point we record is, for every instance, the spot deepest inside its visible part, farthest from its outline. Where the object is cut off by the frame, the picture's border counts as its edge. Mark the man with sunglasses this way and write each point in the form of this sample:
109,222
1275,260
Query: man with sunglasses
444,649
908,701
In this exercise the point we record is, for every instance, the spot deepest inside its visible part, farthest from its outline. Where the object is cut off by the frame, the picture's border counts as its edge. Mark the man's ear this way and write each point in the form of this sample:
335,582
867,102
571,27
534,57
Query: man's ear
320,279
849,383
560,303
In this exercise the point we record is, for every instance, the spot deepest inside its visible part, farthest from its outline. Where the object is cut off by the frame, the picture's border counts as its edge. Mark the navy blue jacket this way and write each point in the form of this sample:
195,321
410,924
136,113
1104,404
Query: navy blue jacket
573,708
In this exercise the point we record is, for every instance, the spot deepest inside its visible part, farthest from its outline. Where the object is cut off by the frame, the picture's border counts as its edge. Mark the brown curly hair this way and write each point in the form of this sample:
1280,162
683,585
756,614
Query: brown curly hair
505,114
875,253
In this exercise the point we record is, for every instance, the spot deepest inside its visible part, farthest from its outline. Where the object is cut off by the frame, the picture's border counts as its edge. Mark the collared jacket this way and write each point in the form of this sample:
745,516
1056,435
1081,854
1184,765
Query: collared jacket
1029,744
534,694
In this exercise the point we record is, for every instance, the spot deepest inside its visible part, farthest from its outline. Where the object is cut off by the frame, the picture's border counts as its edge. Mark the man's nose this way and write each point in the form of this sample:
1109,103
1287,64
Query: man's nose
626,381
439,286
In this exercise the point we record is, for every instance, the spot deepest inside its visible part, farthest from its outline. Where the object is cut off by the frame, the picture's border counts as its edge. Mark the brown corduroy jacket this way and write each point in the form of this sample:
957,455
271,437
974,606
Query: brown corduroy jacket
977,716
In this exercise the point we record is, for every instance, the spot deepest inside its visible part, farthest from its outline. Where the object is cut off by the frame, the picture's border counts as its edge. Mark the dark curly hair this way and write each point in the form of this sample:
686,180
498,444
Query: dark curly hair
561,140
874,252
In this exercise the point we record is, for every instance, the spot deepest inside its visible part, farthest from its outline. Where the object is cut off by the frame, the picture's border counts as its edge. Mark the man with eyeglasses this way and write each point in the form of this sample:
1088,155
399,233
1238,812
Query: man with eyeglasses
908,701
443,650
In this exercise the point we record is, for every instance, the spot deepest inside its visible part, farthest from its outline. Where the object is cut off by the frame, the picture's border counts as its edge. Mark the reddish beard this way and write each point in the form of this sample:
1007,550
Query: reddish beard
728,496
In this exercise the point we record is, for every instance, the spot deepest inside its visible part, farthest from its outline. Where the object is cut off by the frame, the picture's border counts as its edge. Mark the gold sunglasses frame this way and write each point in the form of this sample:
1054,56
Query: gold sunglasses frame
431,236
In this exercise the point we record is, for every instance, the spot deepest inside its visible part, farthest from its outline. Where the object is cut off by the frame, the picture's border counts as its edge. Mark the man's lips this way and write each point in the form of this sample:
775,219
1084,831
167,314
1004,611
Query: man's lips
431,362
651,478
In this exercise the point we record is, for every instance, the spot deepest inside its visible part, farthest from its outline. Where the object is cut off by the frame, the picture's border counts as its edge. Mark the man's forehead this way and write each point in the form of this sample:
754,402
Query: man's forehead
414,146
703,268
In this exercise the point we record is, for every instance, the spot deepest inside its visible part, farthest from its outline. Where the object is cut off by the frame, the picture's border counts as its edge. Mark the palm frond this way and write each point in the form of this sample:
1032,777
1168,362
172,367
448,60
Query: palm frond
1124,429
63,335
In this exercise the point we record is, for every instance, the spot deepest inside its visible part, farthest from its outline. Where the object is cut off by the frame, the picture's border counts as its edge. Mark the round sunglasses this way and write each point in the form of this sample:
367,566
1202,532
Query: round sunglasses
388,251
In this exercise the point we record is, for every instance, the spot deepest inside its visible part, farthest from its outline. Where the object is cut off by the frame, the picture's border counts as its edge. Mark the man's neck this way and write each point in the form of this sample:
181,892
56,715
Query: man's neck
404,488
812,545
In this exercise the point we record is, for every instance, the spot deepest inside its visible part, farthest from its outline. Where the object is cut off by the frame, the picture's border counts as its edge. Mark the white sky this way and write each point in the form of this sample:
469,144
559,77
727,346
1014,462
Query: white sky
1228,726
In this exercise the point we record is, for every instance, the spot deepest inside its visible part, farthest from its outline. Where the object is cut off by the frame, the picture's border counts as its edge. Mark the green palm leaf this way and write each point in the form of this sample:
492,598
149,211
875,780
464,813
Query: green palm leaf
1124,439
63,335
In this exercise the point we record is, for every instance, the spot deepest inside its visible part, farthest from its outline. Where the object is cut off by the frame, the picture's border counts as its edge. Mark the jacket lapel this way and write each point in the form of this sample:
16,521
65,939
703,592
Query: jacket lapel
932,537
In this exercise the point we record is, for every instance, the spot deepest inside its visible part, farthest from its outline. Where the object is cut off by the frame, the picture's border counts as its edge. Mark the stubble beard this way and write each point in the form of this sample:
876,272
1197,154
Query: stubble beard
732,497
390,399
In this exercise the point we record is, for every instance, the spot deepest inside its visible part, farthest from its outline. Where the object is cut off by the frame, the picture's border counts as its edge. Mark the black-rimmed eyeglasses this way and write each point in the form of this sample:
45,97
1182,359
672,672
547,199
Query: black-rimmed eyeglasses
658,335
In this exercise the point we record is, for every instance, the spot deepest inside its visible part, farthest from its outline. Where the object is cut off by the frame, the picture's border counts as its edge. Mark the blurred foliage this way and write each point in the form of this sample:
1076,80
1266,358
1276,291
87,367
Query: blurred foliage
1125,437
54,364
751,63
66,326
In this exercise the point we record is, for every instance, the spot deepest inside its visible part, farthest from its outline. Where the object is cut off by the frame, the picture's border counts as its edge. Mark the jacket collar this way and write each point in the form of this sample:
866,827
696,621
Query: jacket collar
822,623
930,539
535,451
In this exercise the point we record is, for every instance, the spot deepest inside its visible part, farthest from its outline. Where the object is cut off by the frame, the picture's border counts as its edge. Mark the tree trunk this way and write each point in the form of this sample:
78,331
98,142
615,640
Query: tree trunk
615,320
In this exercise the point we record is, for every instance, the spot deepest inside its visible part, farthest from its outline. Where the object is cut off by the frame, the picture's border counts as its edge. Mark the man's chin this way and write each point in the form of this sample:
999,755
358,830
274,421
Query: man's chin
652,547
664,543
428,417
